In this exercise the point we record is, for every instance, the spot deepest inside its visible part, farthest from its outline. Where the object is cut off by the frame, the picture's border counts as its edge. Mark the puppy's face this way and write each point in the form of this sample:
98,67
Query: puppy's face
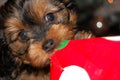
35,28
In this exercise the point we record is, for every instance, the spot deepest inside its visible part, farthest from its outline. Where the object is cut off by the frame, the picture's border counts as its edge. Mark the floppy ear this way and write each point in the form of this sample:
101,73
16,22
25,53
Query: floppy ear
10,7
14,3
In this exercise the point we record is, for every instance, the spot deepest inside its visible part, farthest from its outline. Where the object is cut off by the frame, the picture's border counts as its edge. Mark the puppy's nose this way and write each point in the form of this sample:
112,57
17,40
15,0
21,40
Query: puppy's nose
49,45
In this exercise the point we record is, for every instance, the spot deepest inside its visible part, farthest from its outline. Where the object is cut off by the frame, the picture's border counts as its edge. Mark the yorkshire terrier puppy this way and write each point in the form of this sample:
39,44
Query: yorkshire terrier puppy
30,31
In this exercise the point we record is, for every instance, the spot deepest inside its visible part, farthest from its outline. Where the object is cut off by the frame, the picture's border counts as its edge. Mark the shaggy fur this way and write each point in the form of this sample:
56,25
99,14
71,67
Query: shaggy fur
30,31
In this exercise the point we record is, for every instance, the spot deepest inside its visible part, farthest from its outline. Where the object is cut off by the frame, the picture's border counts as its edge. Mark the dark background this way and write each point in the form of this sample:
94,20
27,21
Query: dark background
105,11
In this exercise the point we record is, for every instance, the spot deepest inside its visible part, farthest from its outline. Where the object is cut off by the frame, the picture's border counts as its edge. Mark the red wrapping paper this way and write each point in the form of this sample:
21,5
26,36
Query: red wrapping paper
88,59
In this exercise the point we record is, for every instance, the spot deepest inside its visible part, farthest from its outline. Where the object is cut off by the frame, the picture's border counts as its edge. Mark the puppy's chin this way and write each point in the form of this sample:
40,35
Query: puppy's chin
38,63
36,56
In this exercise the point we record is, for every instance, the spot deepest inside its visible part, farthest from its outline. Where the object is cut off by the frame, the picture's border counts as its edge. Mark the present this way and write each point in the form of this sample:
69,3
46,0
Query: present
87,59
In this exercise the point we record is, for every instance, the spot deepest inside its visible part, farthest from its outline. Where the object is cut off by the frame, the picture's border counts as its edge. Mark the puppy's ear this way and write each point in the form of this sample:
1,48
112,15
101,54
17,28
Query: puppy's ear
16,3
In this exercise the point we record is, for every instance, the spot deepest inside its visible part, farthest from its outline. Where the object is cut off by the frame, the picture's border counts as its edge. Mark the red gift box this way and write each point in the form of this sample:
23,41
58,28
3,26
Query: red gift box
88,59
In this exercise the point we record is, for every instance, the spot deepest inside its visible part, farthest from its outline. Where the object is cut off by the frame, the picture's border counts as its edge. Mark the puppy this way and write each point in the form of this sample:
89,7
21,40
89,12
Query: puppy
31,30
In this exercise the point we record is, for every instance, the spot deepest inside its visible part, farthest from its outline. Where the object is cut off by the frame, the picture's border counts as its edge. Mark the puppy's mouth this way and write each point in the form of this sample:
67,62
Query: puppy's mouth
49,45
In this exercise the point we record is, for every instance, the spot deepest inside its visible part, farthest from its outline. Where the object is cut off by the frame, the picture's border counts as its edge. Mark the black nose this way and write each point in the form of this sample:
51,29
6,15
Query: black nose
49,45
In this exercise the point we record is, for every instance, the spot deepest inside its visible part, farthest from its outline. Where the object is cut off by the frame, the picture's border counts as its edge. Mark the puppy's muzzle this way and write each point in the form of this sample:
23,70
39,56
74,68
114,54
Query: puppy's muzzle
49,45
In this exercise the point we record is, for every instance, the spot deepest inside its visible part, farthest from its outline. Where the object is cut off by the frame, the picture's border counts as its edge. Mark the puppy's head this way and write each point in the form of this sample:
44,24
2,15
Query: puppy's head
34,28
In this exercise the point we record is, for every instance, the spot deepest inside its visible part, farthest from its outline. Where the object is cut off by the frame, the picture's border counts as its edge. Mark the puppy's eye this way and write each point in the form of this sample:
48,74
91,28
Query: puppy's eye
23,36
49,17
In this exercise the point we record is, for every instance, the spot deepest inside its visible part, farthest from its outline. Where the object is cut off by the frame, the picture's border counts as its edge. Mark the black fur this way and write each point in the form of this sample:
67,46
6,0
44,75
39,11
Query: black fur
7,63
10,67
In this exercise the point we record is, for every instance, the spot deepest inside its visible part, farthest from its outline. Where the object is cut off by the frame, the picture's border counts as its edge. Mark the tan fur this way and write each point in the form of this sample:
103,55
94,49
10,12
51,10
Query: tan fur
31,52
